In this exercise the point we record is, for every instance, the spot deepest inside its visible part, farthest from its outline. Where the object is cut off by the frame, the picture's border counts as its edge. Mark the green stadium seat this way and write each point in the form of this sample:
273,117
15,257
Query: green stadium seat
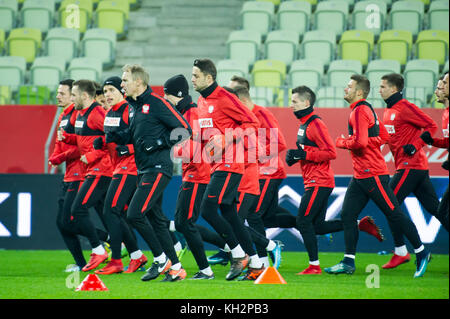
8,14
227,68
421,73
377,68
262,96
433,44
47,71
62,42
307,72
357,45
340,71
395,45
268,73
275,2
328,97
113,15
407,15
76,14
416,95
34,95
38,14
332,15
438,15
375,98
319,44
283,97
257,16
294,16
312,2
282,45
85,68
5,95
244,45
24,42
13,70
2,41
101,44
370,15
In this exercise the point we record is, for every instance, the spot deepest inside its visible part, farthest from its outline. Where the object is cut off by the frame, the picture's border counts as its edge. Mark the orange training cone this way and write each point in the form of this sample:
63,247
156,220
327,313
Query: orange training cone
91,283
270,276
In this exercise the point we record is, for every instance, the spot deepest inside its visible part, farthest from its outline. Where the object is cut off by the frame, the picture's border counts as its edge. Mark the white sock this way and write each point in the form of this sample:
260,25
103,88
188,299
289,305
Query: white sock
401,251
314,263
265,261
99,250
349,256
122,246
255,262
161,258
237,252
271,246
178,247
207,271
177,266
172,226
136,254
226,248
418,250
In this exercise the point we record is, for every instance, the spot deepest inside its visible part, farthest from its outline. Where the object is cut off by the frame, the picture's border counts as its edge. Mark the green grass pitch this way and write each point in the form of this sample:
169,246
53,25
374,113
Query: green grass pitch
40,275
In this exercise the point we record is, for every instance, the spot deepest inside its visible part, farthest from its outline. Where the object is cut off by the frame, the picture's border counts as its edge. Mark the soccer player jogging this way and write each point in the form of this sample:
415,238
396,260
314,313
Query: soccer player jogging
442,93
150,130
220,112
314,151
405,122
370,179
88,127
123,183
195,176
73,176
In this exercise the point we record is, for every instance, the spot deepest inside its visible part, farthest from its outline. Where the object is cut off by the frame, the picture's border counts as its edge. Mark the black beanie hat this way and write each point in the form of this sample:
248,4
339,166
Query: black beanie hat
114,81
177,86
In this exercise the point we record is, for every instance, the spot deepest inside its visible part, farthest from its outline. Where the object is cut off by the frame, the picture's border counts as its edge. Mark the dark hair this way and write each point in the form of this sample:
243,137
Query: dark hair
232,91
394,79
362,83
241,80
86,86
207,67
305,93
68,82
242,91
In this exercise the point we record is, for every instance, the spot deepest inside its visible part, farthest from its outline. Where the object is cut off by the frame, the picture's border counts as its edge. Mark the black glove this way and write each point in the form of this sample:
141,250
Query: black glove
122,150
118,137
293,156
149,147
112,137
426,137
98,143
445,165
409,149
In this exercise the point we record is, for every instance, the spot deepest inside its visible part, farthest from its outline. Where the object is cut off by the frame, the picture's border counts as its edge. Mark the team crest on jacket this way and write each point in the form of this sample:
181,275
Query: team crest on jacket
145,108
211,109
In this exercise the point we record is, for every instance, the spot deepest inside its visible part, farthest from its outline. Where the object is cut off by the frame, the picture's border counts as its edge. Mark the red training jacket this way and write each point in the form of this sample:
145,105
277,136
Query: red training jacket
443,142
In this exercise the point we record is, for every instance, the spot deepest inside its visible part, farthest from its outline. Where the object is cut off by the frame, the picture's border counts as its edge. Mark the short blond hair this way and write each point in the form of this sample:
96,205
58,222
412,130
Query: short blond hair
137,72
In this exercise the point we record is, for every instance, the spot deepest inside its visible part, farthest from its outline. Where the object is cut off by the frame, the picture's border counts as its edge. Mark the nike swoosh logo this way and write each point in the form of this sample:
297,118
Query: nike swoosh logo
71,190
124,152
371,190
211,196
145,184
296,158
148,148
185,189
162,268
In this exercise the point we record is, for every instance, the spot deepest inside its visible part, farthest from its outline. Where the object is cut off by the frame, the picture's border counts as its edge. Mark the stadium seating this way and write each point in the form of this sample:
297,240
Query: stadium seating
438,15
375,98
244,45
340,71
29,94
24,42
85,68
407,15
8,14
2,41
370,15
357,45
38,14
101,44
294,16
113,15
332,15
307,72
47,71
319,44
421,73
416,95
76,14
433,44
62,42
268,73
5,94
263,96
395,45
331,97
258,16
282,45
377,68
227,68
13,70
